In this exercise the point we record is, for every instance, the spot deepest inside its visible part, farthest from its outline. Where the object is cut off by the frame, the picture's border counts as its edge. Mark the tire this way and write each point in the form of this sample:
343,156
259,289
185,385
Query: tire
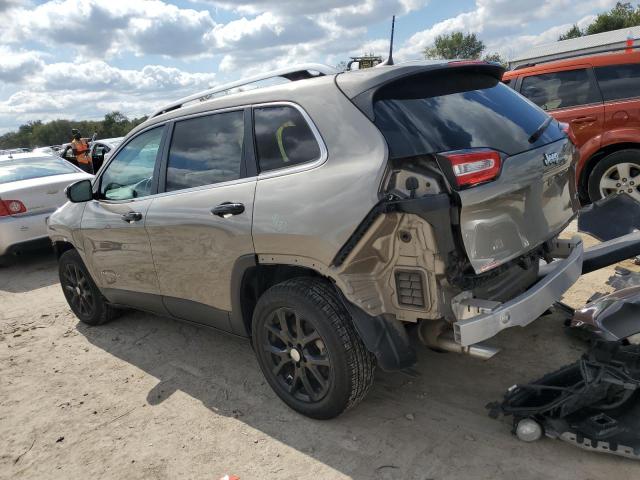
82,294
6,260
328,348
606,170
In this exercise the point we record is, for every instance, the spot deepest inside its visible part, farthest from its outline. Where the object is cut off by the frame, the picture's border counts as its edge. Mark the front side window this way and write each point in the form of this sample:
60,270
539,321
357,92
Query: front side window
560,89
130,174
206,150
619,81
283,138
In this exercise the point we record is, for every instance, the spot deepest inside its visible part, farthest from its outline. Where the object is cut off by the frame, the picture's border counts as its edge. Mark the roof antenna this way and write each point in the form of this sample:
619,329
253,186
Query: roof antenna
389,60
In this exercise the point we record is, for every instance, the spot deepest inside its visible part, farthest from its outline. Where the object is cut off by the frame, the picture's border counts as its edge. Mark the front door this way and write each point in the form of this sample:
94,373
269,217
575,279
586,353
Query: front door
201,224
115,241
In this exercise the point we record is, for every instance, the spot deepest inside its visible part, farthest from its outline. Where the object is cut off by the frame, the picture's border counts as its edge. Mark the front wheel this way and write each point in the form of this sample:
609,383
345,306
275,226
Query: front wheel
616,173
82,294
308,349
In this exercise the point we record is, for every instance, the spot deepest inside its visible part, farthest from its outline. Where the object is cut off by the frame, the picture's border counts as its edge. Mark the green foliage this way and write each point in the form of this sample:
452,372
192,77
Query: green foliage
495,57
623,15
38,134
573,32
455,45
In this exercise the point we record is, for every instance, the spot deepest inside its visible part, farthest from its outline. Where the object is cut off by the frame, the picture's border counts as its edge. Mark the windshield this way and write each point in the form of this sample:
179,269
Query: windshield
28,168
455,111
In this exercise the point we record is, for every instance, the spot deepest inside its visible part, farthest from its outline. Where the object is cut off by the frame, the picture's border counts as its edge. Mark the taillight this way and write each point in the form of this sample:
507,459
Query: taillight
474,166
11,207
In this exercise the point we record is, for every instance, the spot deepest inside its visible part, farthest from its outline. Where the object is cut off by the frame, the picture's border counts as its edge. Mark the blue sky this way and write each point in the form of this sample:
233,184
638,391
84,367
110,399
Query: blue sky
80,59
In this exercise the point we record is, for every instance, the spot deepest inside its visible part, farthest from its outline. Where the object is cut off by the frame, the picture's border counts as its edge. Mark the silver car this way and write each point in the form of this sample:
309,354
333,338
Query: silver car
322,217
31,187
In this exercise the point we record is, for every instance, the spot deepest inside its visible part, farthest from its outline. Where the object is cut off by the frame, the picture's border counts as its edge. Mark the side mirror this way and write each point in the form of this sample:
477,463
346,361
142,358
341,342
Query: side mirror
80,191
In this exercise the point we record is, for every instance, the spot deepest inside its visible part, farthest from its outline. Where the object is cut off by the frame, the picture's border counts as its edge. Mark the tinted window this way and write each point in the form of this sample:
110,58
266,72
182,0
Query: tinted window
619,81
28,168
283,138
560,89
206,150
456,111
130,173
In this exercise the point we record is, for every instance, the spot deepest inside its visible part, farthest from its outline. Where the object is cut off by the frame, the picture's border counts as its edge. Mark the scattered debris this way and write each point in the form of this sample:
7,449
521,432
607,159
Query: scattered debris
593,403
25,452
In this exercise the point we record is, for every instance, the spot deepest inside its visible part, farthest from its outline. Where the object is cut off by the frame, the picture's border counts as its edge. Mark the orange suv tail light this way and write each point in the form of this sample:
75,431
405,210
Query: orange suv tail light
472,167
11,207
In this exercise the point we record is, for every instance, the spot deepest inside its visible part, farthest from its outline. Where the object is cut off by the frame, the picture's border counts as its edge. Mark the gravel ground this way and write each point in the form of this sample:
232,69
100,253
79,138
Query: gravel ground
146,397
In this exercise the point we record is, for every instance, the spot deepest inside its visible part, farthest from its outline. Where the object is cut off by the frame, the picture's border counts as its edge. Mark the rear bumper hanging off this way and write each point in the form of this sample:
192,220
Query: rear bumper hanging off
479,320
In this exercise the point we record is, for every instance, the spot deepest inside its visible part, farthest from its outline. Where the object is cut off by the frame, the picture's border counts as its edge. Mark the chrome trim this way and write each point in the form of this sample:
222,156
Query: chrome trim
301,167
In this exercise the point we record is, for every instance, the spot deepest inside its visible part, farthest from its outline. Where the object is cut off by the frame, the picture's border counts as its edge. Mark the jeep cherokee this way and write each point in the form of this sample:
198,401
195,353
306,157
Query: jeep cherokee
323,216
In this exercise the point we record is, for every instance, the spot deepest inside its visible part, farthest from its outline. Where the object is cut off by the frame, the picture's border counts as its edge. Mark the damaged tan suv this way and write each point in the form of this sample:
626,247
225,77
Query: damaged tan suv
322,216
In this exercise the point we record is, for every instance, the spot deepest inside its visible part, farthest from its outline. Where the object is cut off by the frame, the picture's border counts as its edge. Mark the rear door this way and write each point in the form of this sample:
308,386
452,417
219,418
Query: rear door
620,86
115,241
201,224
570,96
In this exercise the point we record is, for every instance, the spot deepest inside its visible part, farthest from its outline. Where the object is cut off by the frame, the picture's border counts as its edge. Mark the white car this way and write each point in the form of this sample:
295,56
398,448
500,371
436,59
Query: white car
31,187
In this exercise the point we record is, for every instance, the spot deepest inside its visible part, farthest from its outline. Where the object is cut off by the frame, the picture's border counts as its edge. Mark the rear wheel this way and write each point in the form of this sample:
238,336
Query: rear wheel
308,349
616,173
81,292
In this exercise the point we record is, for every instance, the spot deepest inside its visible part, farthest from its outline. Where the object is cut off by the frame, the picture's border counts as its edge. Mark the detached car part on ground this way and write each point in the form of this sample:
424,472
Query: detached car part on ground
593,403
328,214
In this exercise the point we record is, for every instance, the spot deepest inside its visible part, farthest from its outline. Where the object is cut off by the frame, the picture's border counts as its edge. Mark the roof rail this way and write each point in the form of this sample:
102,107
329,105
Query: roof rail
293,73
574,54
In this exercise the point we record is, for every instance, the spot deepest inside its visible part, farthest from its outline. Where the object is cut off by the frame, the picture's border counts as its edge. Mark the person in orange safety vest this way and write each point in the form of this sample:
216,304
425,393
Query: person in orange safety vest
80,149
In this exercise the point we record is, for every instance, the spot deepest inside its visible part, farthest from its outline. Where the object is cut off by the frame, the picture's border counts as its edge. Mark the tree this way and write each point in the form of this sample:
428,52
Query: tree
623,15
495,57
455,45
38,134
573,32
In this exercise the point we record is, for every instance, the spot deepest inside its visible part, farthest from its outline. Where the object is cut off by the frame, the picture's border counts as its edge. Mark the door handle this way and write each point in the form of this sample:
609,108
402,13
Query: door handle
132,217
583,119
227,209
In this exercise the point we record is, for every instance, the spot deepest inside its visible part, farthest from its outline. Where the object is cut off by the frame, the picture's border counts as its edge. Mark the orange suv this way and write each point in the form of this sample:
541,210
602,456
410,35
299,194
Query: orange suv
599,96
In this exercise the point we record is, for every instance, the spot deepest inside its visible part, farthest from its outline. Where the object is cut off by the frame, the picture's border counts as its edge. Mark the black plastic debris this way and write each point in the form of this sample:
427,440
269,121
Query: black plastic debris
593,403
611,217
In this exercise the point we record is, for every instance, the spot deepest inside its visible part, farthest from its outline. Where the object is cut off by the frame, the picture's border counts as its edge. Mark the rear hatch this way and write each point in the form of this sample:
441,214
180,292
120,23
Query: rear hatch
510,167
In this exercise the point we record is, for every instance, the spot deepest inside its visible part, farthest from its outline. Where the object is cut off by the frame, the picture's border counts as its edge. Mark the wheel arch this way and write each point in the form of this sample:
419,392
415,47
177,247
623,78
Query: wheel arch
250,279
61,246
589,165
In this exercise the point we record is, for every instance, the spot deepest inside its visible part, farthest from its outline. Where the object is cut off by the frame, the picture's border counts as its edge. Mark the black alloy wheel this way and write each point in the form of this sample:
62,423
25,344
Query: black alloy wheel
299,358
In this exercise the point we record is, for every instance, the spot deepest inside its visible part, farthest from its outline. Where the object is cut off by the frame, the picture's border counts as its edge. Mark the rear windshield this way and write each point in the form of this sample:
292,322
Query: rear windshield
454,111
28,168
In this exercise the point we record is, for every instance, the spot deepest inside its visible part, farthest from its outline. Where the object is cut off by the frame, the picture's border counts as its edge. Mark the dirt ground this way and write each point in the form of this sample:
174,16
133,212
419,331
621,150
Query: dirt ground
146,397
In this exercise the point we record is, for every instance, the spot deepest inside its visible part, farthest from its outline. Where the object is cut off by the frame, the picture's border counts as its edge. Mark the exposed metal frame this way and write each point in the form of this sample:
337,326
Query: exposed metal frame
291,73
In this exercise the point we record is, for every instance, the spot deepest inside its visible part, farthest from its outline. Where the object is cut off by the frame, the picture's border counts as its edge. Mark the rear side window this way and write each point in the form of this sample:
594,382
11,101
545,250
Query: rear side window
283,138
453,111
560,89
619,81
206,150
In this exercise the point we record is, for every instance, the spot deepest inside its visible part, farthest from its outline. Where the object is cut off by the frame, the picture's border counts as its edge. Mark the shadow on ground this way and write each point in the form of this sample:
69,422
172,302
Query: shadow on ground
428,426
29,271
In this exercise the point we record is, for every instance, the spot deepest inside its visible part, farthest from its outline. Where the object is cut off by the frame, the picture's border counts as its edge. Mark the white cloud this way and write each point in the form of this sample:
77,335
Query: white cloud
499,23
89,90
18,66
